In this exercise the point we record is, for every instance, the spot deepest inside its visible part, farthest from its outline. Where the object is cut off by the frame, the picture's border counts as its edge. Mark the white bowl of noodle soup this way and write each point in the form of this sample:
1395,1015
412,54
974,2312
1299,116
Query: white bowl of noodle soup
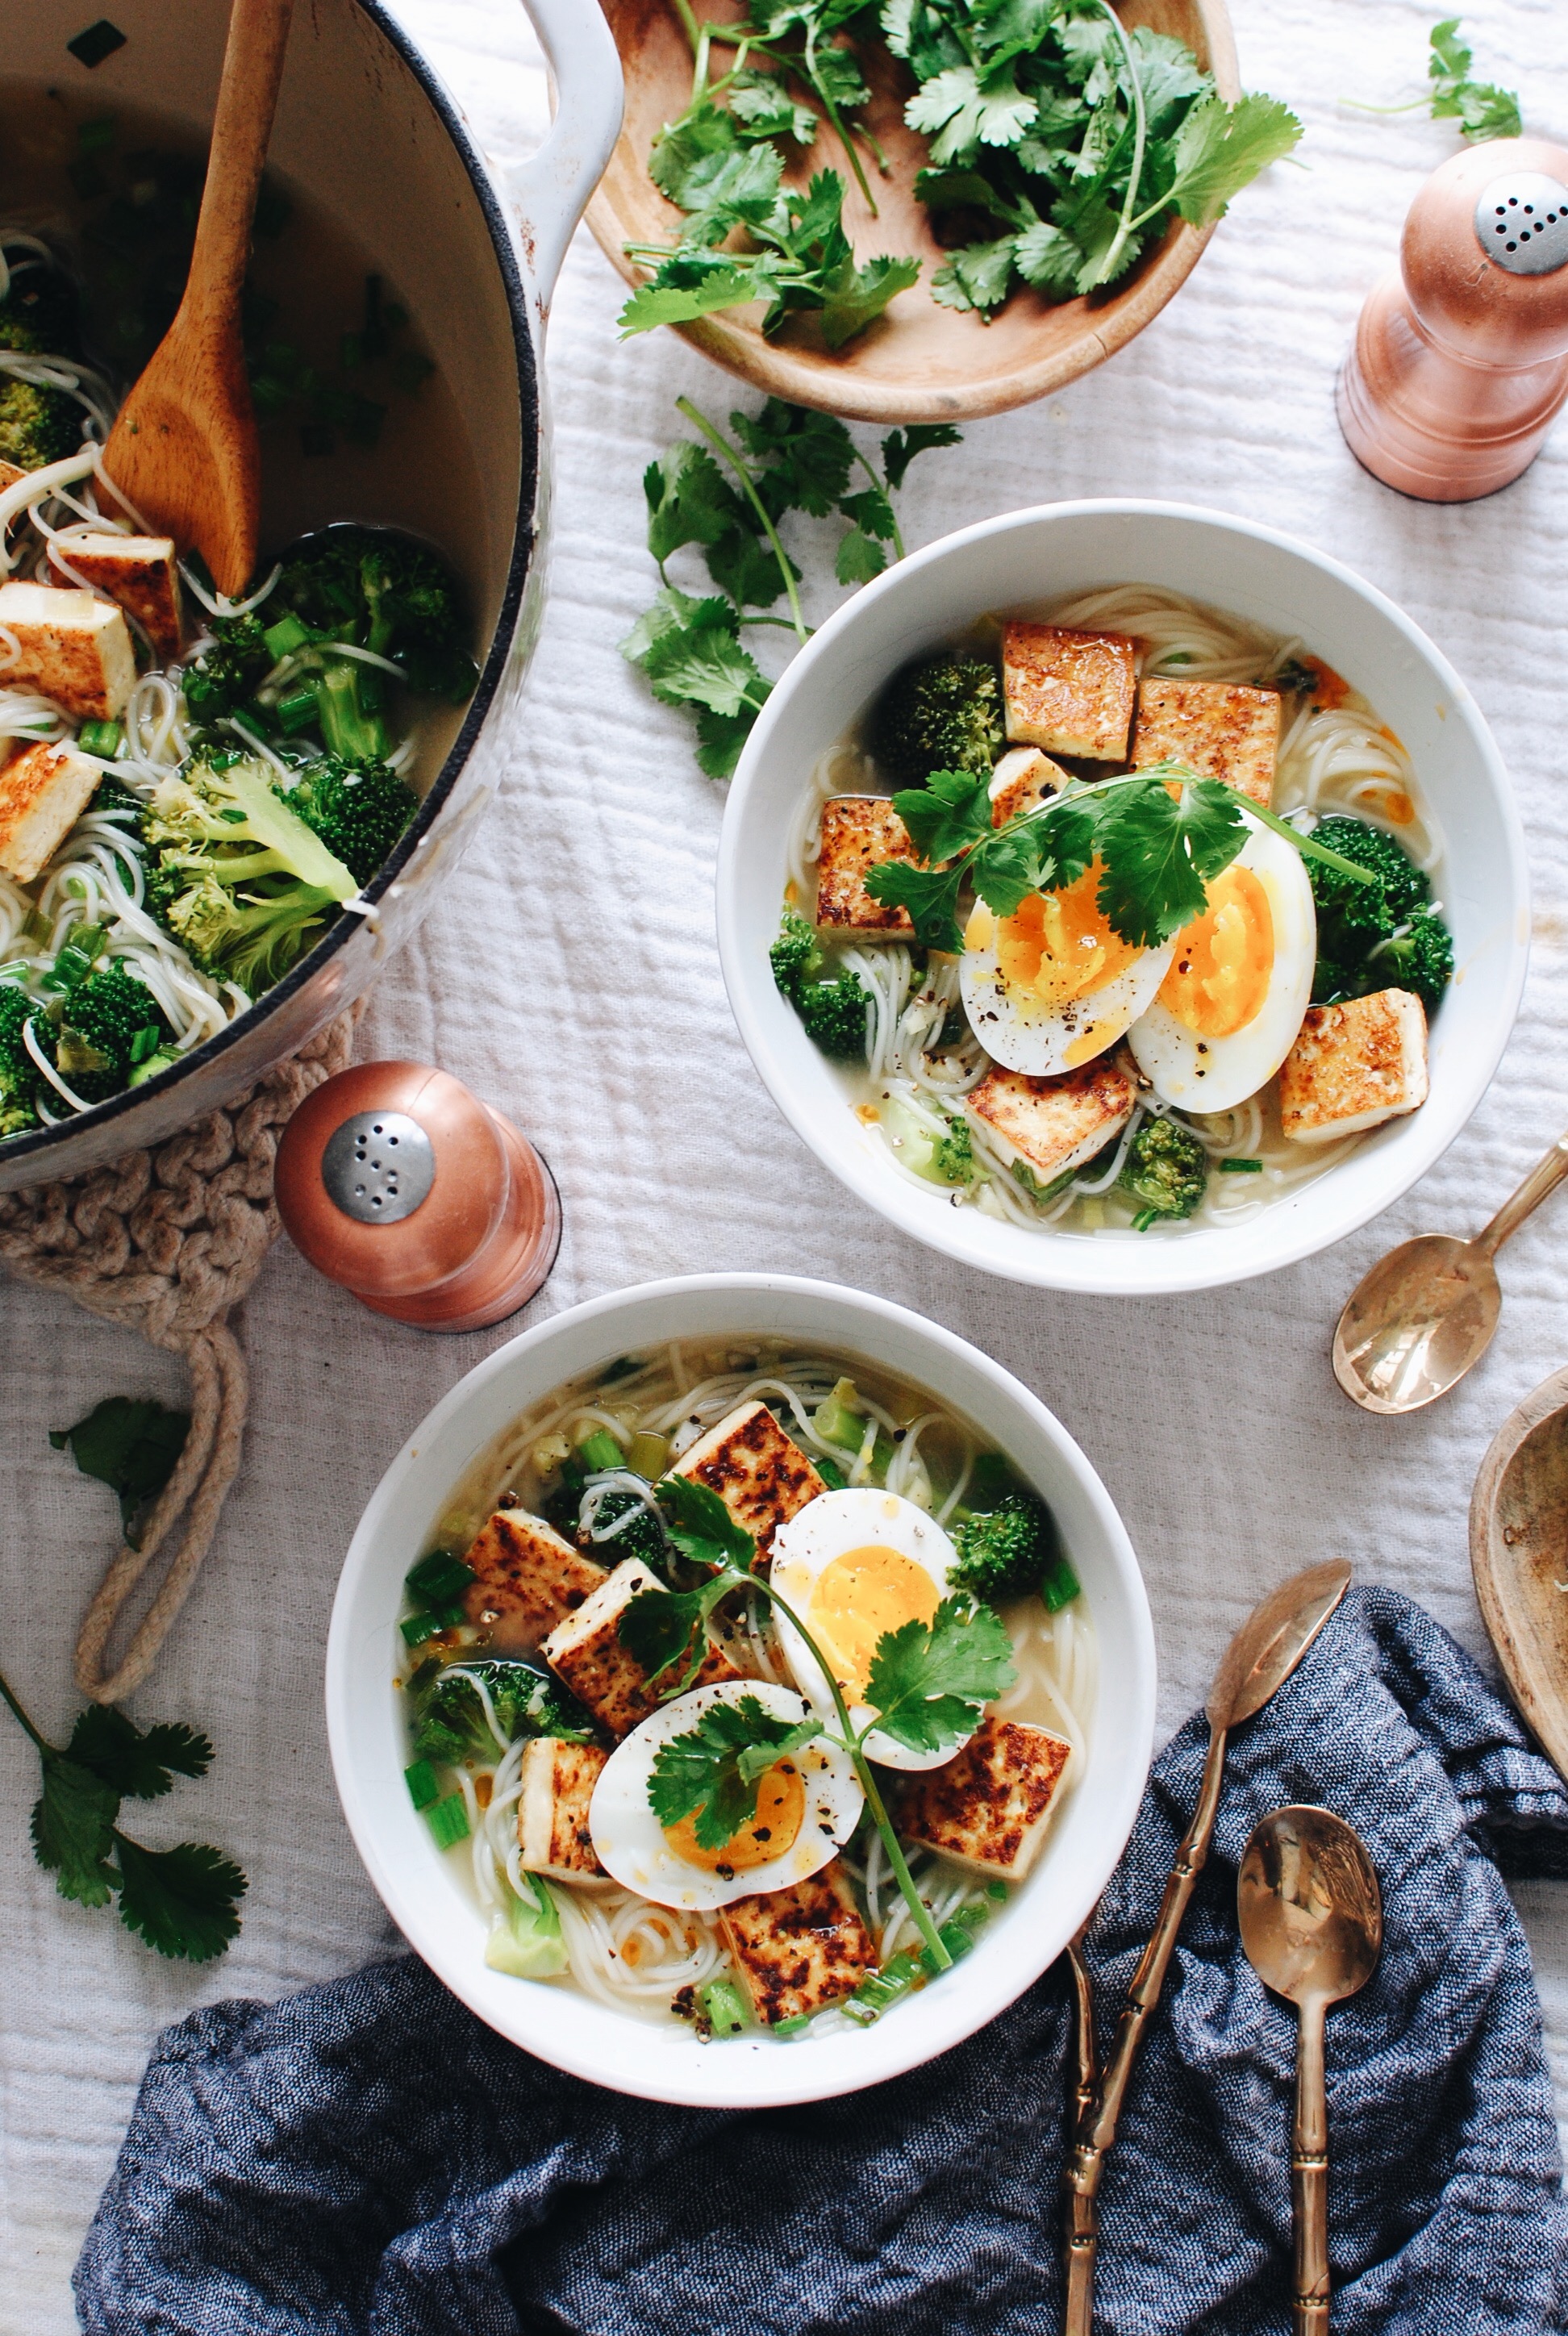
455,1454
1117,566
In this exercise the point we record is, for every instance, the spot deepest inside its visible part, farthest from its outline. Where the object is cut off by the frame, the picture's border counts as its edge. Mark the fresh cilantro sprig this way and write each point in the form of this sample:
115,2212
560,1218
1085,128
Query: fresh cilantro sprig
929,1684
183,1901
1481,108
1158,850
131,1445
727,495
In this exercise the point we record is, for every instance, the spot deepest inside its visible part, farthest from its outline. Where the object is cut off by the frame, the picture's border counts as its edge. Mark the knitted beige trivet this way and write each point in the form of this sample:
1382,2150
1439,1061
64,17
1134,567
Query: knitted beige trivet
168,1242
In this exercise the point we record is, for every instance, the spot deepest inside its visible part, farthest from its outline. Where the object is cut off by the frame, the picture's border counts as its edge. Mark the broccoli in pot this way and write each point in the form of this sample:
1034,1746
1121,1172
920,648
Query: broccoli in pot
1165,1171
1382,936
942,713
833,1009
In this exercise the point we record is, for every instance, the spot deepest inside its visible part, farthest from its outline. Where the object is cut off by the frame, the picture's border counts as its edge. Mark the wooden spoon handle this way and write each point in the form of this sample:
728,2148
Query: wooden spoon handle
1310,2176
1544,1178
242,124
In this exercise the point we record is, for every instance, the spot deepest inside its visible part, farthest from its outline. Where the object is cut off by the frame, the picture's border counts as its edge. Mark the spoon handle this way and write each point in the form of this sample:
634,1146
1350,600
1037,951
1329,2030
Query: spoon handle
1544,1178
1310,2176
241,127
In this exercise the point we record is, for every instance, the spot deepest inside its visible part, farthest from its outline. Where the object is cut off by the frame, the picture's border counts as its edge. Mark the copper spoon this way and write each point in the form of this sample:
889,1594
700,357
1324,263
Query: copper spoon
1311,1920
1261,1658
184,450
1425,1315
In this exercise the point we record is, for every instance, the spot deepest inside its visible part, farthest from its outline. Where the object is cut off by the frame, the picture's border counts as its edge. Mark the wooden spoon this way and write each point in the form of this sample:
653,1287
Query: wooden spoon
1519,1557
184,450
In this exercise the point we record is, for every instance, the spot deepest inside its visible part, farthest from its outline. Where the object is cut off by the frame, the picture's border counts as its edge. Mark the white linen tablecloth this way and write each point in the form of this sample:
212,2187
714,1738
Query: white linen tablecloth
570,976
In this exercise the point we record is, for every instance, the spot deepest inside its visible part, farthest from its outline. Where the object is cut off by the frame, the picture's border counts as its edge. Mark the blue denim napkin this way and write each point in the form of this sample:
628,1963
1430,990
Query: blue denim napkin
367,2158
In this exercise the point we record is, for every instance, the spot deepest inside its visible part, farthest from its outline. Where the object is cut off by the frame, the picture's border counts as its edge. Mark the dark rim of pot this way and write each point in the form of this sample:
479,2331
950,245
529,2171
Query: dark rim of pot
38,1144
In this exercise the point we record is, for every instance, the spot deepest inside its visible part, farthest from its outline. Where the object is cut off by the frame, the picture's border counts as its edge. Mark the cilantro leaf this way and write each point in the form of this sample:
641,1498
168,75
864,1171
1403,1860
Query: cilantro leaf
1048,257
140,1763
807,457
732,286
929,1683
184,1901
661,1627
763,108
73,1828
962,109
929,894
129,1444
899,450
742,563
702,1528
671,614
689,501
714,1770
705,666
860,558
854,297
720,739
1481,108
1159,850
1220,149
978,275
705,129
952,811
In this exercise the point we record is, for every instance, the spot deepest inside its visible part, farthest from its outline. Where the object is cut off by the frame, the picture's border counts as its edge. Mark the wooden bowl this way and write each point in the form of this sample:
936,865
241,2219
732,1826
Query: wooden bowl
1519,1557
919,362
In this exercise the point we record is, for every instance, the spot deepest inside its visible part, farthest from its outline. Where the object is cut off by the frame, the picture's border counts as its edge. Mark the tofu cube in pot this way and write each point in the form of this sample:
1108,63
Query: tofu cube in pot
1053,1125
1066,692
137,572
43,794
1021,781
585,1651
801,1949
553,1833
529,1580
1354,1065
760,1473
70,648
990,1808
1219,731
857,830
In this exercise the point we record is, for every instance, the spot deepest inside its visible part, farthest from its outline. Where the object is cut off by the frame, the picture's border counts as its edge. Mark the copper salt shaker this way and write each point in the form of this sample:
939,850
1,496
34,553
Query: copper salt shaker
396,1183
1460,361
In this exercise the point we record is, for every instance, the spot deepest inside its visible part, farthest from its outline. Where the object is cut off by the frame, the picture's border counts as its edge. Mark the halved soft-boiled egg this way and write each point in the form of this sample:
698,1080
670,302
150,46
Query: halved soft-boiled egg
807,1805
853,1566
1239,981
1054,985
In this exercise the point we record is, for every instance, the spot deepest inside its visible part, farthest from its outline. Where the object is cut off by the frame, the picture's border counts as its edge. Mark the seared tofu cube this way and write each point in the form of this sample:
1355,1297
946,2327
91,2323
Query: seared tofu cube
9,474
1354,1065
857,830
760,1473
586,1653
529,1580
1052,1125
992,1806
1069,693
1218,731
801,1949
43,794
1021,781
558,1780
139,572
70,648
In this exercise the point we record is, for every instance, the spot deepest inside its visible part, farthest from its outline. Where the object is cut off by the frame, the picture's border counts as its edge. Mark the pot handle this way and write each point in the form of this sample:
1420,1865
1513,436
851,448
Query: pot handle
552,189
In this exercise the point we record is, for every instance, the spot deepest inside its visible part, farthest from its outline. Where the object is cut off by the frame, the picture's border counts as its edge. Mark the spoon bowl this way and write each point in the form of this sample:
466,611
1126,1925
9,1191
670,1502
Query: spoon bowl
1519,1558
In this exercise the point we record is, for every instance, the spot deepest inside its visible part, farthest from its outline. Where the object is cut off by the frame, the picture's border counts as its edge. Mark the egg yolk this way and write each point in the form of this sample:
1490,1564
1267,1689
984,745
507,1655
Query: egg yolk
781,1807
859,1597
1224,960
1059,947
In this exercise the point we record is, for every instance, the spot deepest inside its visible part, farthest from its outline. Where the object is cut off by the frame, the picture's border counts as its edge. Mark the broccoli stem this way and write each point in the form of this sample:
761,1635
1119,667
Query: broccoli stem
351,733
721,445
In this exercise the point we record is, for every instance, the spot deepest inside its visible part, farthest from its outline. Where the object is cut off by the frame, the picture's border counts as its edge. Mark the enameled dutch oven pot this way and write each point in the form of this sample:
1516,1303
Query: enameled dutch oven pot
367,131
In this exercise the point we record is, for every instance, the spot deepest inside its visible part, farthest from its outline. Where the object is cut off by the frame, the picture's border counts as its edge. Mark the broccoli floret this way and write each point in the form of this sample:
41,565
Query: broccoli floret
385,592
942,713
19,1073
111,1023
643,1537
1006,1552
238,878
1167,1169
225,677
38,424
835,1014
794,957
953,1159
358,812
1374,936
451,1723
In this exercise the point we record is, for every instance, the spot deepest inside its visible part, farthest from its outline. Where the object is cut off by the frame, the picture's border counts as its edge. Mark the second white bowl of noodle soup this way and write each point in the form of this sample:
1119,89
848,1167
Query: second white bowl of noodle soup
1040,563
434,1905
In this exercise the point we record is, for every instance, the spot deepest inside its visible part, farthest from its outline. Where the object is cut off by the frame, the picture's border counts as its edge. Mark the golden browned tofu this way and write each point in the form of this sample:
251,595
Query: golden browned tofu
9,474
1219,731
760,1473
529,1580
1021,781
1052,1125
801,1949
137,572
857,830
1354,1065
558,1780
586,1653
992,1806
71,647
43,794
1069,693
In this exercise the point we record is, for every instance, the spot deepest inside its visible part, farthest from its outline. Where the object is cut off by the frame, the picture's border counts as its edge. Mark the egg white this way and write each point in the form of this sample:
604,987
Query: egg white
829,1527
1025,1033
632,1845
1204,1075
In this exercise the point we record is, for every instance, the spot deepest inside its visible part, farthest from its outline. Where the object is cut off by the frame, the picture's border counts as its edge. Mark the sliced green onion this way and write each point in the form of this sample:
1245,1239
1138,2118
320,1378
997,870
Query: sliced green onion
600,1450
423,1784
725,2006
417,1628
1240,1167
648,1455
297,712
897,1977
1059,1585
788,2027
145,1042
440,1578
958,1936
100,738
831,1475
997,1890
448,1821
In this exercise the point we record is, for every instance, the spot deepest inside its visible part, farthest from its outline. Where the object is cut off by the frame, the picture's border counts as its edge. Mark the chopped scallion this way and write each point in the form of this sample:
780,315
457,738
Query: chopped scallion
423,1784
1240,1167
288,634
100,738
440,1578
725,2006
788,2027
448,1821
599,1451
1059,1585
